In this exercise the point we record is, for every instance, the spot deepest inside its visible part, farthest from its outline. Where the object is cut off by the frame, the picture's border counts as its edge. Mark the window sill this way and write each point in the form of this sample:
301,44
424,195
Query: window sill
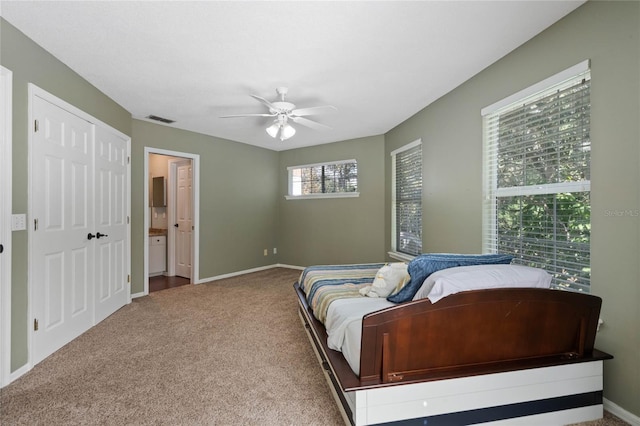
400,256
316,196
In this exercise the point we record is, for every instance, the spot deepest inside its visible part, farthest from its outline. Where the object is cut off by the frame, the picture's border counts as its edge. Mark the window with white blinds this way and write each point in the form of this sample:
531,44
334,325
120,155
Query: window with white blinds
537,156
324,180
407,199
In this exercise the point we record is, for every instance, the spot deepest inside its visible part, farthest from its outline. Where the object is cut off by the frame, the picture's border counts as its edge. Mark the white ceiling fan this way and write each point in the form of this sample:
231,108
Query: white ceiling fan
284,111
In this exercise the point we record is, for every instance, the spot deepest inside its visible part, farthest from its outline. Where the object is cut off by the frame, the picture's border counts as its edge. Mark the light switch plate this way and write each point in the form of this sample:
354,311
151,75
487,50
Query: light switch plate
18,222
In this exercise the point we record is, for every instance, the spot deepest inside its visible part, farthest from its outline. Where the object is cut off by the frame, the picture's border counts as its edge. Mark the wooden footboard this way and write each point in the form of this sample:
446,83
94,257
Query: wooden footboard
509,353
478,332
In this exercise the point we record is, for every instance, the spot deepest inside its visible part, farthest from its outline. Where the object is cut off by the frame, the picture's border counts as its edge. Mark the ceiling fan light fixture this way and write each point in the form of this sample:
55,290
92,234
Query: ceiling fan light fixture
287,131
273,130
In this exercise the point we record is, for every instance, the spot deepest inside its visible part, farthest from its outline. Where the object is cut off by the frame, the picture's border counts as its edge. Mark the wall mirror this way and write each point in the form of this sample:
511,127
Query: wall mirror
159,198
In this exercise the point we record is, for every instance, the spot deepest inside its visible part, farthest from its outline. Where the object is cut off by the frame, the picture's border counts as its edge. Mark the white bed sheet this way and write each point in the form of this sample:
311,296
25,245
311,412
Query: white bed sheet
344,325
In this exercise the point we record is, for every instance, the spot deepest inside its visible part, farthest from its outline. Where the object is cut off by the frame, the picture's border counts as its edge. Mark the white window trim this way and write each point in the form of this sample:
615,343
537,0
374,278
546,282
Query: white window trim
400,256
521,96
324,163
325,195
394,253
406,147
551,188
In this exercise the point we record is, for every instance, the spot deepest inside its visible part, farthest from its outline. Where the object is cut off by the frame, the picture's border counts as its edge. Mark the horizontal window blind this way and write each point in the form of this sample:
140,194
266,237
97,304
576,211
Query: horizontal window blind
408,200
537,181
338,177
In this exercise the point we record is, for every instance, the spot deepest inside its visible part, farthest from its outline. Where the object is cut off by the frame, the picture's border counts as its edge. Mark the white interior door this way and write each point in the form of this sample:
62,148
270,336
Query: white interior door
62,256
112,252
184,218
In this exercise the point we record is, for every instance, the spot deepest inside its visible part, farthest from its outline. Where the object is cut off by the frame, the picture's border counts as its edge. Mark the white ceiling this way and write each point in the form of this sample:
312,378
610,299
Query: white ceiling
378,62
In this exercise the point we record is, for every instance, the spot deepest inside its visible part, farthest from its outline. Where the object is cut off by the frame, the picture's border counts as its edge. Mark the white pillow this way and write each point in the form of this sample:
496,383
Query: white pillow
453,280
391,277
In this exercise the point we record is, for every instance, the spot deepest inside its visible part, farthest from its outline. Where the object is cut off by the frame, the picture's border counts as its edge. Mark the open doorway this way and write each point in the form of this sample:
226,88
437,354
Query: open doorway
171,219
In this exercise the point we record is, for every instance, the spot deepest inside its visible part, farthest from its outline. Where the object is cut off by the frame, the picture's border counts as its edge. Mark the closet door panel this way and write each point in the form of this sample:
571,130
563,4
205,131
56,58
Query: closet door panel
62,208
112,207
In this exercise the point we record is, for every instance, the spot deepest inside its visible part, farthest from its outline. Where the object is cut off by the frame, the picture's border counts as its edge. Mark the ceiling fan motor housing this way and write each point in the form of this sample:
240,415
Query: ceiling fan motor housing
281,107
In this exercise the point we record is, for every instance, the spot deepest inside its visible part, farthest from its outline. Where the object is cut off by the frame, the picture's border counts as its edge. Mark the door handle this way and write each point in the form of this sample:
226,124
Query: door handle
99,235
90,236
176,225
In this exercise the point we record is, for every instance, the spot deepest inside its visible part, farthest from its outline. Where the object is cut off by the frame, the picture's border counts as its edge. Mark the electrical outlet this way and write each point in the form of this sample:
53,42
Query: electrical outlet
266,252
275,250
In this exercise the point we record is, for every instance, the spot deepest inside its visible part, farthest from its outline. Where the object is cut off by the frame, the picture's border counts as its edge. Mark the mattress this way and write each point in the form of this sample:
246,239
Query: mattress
344,325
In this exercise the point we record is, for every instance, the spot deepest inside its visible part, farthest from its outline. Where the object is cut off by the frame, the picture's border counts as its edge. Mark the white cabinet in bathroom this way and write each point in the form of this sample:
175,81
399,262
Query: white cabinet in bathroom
157,255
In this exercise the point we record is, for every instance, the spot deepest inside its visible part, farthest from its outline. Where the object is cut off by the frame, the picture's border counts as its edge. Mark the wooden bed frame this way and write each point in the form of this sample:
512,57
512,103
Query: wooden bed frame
512,356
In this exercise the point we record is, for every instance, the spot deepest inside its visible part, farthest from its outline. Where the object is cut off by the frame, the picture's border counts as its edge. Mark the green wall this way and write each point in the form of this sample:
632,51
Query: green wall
32,64
335,230
608,33
238,193
243,210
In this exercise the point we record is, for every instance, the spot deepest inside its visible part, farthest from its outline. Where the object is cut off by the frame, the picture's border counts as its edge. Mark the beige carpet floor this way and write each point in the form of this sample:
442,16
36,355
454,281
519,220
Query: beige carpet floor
230,352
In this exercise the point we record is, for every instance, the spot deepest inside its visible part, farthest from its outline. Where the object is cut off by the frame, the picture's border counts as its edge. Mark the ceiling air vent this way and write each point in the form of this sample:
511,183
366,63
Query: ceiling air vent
161,119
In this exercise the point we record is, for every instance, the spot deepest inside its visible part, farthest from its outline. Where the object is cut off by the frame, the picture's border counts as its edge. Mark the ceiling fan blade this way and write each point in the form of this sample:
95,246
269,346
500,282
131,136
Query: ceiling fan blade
314,110
264,101
248,115
311,124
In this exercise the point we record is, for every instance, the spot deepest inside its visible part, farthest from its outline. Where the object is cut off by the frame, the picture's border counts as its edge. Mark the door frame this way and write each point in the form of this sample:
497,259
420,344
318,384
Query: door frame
6,161
35,91
195,247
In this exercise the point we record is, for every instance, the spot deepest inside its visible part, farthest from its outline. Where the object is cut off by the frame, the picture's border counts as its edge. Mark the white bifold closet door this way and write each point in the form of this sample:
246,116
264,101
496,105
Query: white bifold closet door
79,240
111,203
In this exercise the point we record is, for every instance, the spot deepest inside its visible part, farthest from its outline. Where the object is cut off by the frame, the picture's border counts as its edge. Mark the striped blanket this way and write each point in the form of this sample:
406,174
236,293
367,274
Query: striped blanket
325,283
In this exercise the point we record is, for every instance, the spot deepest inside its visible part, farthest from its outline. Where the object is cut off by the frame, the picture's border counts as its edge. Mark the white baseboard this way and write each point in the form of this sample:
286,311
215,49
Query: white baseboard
17,374
620,412
282,265
234,274
246,271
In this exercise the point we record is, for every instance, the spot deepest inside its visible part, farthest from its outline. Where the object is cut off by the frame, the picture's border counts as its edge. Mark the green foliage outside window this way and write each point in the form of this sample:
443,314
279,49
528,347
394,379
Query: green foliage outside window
329,178
550,231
